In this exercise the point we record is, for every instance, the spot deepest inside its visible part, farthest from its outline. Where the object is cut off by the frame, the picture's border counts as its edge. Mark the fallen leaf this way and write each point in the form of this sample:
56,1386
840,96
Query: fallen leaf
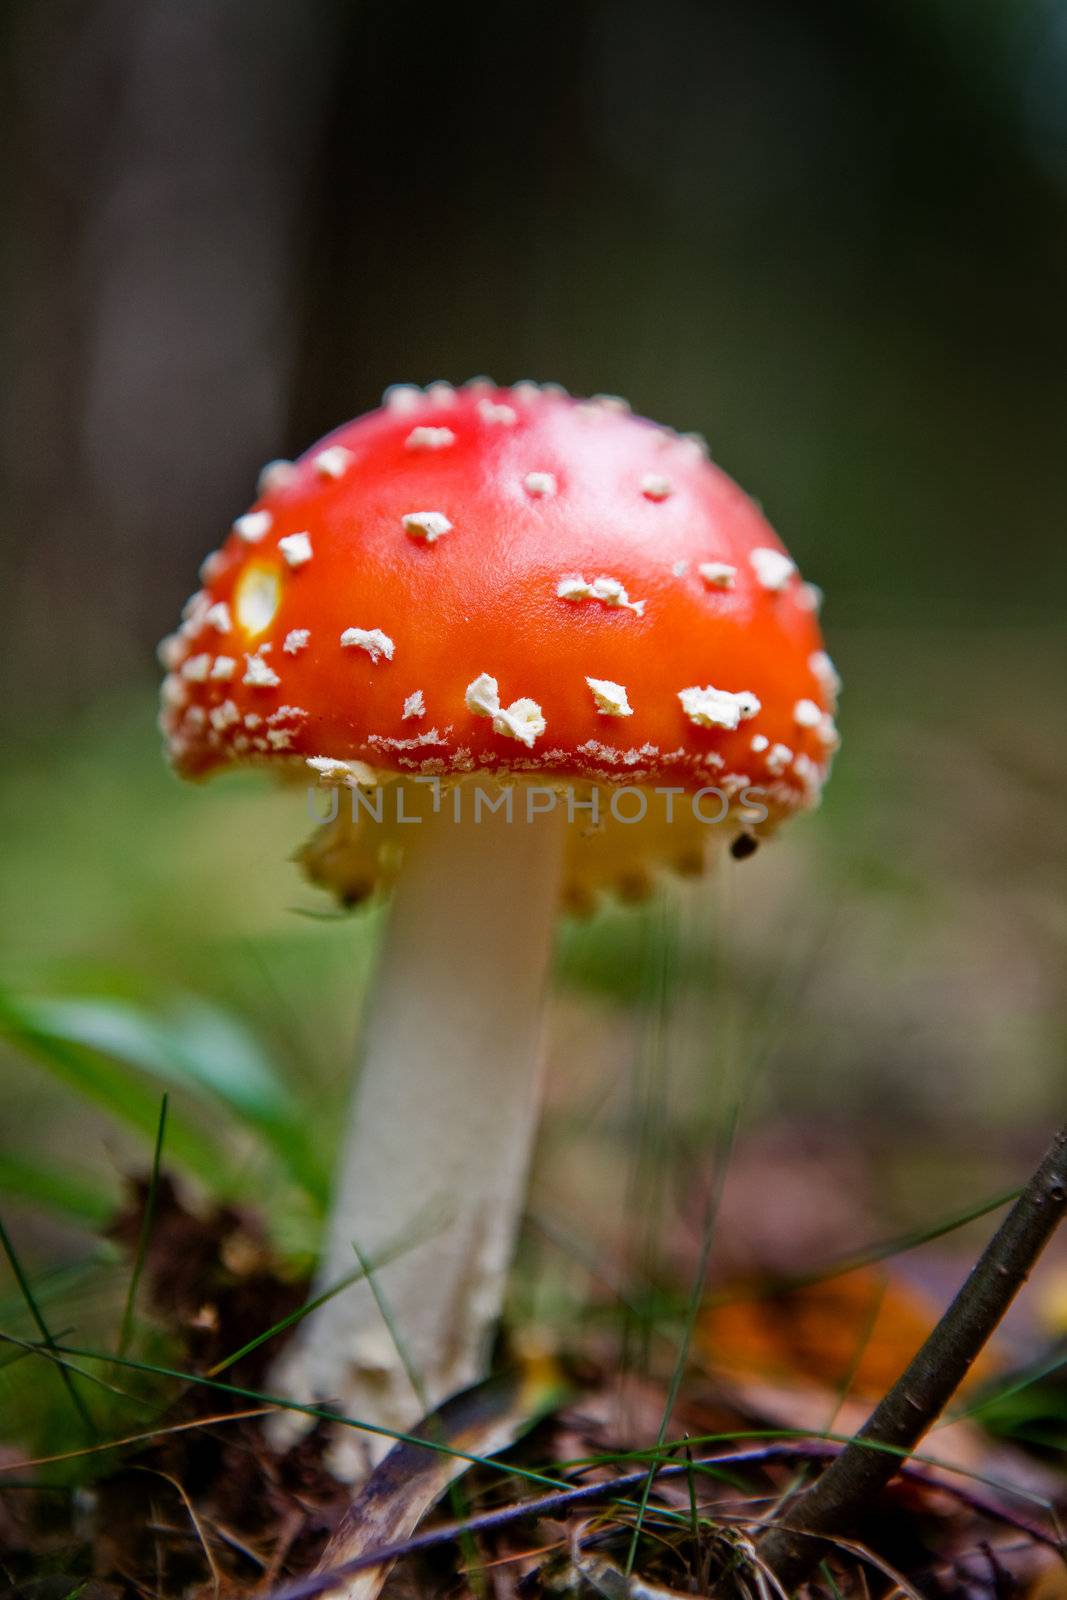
853,1334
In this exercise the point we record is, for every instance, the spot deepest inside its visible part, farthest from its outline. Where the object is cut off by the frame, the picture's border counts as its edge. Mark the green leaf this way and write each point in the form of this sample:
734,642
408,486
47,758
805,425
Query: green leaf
55,1189
93,1043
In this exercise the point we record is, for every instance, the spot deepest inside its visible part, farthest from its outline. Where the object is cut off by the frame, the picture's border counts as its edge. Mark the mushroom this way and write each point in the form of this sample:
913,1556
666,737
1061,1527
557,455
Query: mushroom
536,648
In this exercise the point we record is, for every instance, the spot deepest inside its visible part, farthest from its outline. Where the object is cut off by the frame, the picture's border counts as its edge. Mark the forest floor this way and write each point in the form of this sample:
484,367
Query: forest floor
610,1482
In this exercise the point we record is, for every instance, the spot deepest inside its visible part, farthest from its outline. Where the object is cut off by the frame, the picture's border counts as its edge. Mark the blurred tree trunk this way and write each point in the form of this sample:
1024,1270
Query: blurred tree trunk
161,160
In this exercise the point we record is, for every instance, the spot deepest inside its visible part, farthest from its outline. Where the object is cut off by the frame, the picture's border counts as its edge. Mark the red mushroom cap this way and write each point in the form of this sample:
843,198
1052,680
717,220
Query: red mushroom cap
505,580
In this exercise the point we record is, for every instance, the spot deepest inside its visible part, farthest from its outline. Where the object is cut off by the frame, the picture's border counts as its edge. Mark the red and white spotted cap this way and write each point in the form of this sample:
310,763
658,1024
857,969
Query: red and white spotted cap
505,581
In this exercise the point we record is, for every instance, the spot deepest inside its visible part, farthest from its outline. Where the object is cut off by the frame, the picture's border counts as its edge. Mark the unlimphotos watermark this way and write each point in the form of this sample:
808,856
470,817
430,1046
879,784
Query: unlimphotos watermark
524,803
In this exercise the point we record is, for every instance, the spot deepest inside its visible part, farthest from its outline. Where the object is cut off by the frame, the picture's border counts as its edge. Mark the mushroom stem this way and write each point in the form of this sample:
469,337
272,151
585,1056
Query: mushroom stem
442,1124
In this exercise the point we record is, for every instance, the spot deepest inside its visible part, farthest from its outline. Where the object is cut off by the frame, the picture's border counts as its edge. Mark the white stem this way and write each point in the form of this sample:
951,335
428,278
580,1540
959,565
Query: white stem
443,1118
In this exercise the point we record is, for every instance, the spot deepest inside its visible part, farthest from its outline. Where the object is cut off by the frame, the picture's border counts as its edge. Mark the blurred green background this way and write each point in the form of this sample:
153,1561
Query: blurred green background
832,237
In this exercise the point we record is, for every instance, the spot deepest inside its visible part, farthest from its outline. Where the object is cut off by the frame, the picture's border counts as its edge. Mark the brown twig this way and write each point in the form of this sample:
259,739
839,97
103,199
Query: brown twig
836,1501
575,1495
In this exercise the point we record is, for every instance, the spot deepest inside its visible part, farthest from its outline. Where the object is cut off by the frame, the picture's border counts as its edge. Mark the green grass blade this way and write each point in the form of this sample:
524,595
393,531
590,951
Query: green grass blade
455,1490
42,1327
880,1250
147,1220
385,1311
1017,1383
54,1355
400,1247
320,1413
24,1349
696,1300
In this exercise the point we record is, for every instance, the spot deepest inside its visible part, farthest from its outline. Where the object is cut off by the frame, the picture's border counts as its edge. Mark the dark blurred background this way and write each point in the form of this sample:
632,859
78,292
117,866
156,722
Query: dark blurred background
830,235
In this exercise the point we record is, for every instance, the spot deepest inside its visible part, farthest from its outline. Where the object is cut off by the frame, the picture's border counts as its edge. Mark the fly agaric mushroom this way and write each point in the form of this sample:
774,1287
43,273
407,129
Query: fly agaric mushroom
507,626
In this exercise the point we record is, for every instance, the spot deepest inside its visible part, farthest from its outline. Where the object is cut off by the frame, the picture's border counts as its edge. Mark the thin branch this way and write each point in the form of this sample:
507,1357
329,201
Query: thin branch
574,1495
832,1507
